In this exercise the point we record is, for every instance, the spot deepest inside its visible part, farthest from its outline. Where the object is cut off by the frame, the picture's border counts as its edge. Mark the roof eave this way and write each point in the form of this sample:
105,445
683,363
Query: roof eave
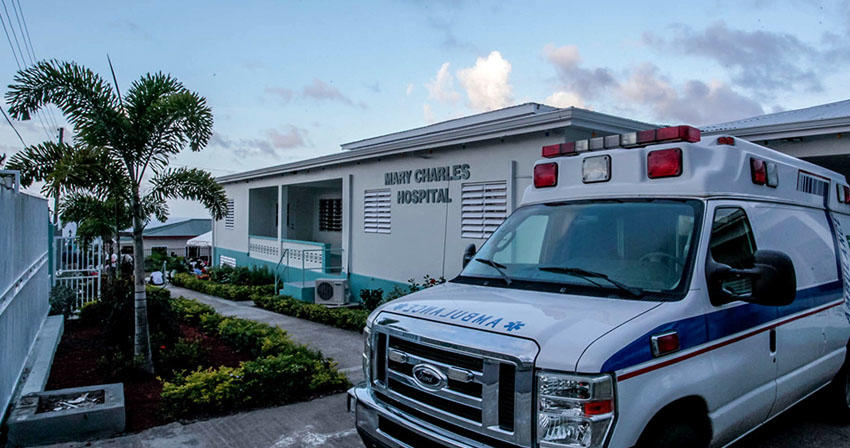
789,130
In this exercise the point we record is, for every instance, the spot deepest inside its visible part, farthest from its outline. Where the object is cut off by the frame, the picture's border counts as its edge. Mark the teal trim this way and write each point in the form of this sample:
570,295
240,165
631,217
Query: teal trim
356,282
263,237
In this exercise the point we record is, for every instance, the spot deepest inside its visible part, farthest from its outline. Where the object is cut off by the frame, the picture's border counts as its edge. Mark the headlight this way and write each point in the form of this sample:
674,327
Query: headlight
367,353
573,410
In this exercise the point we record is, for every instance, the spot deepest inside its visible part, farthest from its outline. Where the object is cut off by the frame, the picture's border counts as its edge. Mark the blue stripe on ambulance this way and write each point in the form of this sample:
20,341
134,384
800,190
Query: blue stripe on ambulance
699,330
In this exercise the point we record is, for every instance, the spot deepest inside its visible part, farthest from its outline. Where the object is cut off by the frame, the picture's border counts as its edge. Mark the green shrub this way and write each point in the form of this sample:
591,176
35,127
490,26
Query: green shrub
371,298
283,372
184,355
241,276
62,300
225,291
270,380
345,318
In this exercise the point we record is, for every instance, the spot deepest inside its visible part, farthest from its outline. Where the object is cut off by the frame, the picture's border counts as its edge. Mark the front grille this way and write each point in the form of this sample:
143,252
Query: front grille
478,393
404,435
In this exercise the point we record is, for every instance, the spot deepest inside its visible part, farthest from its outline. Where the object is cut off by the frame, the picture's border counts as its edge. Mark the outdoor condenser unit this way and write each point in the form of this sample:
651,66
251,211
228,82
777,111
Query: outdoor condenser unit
331,291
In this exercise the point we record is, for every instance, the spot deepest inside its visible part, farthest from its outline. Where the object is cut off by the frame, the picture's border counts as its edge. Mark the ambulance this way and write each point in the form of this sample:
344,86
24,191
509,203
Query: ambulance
654,289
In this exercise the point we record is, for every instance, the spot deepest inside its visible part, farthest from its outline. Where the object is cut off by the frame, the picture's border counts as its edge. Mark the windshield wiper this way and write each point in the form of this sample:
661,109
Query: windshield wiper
497,266
588,275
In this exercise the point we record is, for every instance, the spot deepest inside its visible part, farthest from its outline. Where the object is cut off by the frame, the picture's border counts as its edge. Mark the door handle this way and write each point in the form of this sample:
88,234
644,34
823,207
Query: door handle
772,340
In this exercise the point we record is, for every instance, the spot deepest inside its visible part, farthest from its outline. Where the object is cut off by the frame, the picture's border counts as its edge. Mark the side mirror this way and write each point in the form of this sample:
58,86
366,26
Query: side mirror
770,281
468,254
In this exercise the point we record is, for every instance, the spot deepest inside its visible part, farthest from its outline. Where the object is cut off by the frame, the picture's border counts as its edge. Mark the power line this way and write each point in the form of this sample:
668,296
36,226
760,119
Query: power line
18,62
13,127
25,34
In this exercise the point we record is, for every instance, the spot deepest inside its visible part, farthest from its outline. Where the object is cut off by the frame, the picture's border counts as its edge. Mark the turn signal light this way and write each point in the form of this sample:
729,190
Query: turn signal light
545,175
597,407
665,343
664,163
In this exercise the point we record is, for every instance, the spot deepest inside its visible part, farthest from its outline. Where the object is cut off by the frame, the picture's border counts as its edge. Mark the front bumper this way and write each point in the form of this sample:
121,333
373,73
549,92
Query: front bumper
373,417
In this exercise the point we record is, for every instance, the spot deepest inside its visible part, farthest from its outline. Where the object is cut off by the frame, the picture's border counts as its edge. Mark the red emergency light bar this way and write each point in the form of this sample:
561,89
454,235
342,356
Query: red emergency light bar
630,140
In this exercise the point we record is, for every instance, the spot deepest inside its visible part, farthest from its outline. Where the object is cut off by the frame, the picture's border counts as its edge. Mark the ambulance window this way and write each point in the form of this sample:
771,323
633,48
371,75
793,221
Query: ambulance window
732,240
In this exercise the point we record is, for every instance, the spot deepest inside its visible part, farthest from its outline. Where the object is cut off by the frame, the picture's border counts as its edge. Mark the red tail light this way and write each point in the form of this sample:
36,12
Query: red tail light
545,175
758,171
598,407
726,141
664,163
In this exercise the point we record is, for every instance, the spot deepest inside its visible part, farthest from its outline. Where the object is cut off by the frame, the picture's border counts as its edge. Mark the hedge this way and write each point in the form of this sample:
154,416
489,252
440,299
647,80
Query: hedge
283,371
223,290
345,318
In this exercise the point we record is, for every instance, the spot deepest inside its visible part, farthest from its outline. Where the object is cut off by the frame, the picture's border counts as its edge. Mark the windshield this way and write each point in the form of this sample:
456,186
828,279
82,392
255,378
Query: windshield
629,248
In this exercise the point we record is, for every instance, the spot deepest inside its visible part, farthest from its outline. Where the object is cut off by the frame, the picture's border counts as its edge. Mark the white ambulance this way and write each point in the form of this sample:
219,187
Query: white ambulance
655,289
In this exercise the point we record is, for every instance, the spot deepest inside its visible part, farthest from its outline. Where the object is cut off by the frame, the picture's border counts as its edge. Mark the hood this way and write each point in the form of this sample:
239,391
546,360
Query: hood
562,325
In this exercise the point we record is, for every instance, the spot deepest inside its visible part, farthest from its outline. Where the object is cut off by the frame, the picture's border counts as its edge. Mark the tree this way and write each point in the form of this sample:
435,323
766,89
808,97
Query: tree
155,121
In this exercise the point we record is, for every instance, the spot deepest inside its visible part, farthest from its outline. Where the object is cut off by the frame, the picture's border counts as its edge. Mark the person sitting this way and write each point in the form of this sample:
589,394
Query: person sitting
156,278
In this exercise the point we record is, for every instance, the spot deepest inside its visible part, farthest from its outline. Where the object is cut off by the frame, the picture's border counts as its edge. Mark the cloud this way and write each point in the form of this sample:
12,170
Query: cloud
583,82
283,94
486,83
428,113
563,98
441,87
695,102
763,61
409,89
289,137
320,90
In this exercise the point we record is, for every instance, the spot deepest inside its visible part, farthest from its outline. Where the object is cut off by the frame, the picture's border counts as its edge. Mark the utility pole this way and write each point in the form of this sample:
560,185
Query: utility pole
56,193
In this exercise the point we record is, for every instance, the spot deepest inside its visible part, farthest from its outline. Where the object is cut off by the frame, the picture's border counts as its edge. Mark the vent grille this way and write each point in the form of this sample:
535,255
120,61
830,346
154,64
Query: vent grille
377,216
507,392
436,354
483,207
230,217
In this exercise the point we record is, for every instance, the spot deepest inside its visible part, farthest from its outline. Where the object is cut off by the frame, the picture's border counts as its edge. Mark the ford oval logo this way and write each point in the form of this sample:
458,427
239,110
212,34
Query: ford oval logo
429,377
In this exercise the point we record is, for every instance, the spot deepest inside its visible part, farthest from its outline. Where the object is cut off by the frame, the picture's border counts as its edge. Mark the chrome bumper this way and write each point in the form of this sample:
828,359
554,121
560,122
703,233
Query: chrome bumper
368,411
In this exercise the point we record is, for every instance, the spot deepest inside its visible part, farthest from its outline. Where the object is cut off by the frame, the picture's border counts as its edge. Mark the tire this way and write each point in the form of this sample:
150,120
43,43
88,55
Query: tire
664,433
839,392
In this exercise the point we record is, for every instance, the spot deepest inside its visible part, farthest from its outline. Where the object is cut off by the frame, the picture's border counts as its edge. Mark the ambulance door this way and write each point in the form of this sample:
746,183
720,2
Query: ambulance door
743,352
804,234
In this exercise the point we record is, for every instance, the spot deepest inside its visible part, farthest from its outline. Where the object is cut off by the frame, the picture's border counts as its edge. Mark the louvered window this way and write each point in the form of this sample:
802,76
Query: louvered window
483,207
230,217
330,215
376,214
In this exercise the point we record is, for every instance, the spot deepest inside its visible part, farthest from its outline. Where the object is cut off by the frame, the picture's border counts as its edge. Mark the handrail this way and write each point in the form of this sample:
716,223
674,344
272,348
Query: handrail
284,253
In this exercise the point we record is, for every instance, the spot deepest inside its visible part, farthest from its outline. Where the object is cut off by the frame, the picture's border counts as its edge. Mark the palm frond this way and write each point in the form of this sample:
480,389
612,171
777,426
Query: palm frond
86,99
193,184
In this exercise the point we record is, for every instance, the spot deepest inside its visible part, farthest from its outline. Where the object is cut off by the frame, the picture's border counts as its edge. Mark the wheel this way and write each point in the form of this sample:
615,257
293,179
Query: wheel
663,433
840,392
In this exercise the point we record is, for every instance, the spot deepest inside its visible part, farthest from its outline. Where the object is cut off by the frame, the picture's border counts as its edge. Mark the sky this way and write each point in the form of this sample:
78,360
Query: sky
291,80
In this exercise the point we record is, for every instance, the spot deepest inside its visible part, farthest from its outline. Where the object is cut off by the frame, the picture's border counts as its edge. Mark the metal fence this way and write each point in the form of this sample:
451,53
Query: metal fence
24,283
78,266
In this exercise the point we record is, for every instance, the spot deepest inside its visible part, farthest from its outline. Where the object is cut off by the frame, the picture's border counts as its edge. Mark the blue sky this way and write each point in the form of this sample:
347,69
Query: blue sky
292,80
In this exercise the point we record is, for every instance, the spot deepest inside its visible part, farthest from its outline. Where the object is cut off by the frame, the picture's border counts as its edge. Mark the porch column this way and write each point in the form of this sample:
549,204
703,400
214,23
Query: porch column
280,216
347,224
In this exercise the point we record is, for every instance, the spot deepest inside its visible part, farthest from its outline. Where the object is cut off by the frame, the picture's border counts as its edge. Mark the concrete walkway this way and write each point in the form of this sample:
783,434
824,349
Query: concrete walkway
343,346
321,423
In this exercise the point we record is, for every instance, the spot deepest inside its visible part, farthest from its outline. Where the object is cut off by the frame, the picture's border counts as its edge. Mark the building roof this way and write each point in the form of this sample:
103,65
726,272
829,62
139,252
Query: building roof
515,120
816,120
175,227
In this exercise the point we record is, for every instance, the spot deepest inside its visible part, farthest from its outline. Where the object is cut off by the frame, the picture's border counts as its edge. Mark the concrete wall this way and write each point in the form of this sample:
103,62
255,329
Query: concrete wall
24,282
425,238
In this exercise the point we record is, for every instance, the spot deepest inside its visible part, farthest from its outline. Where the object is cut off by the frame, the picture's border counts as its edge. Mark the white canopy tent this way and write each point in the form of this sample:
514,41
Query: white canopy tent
202,240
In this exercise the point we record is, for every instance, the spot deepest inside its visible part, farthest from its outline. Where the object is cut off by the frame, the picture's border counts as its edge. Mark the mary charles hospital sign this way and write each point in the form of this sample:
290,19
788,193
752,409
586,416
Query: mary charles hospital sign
426,175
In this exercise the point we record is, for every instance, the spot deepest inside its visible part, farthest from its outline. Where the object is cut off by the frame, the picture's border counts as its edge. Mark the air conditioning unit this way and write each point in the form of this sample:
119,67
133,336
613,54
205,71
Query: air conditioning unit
331,291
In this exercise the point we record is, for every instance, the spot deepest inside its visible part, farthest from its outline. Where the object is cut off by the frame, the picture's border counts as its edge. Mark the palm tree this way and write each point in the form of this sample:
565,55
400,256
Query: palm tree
155,121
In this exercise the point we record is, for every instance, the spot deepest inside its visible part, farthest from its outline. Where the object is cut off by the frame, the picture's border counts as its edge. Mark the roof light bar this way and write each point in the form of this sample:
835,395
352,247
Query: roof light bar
628,140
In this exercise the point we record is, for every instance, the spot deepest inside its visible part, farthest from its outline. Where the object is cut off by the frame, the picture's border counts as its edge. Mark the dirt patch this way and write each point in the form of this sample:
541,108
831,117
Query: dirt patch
84,359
